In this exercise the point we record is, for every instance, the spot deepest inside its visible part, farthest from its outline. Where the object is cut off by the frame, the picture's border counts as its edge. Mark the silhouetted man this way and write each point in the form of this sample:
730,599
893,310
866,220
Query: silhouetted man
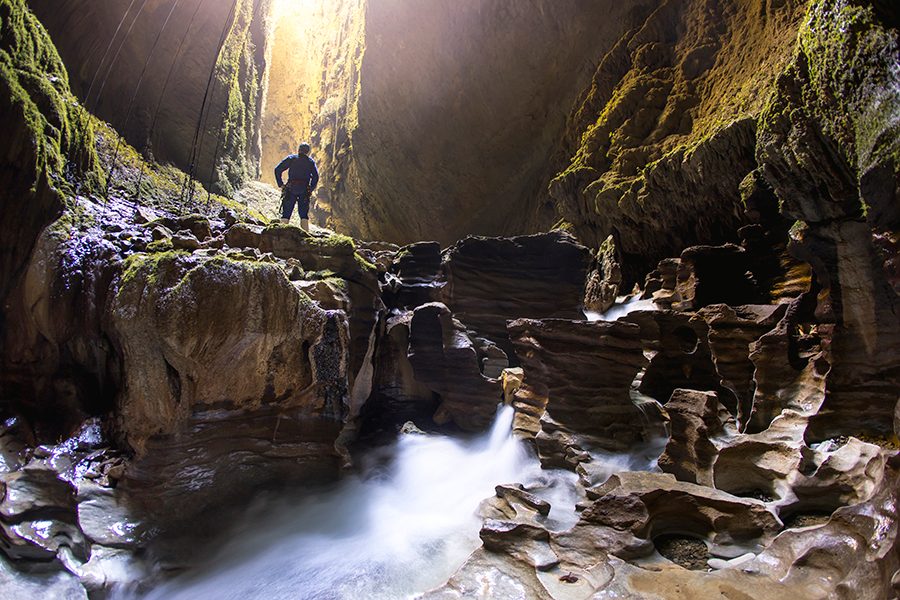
303,177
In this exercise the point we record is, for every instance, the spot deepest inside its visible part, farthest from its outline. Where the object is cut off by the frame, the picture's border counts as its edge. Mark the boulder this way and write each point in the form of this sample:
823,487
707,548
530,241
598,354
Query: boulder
243,235
182,323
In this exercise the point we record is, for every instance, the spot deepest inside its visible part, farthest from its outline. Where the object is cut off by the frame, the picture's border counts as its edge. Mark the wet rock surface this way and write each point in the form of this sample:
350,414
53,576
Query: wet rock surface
733,435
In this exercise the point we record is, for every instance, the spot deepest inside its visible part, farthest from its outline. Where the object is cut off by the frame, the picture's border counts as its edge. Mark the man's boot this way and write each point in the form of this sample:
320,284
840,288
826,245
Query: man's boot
285,221
304,224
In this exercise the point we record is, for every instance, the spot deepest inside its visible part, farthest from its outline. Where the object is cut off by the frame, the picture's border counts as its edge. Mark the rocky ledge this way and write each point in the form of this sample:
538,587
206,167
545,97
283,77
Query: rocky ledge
192,359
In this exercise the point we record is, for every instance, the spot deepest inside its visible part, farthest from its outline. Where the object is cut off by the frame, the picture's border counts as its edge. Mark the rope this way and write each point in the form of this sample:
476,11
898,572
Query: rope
137,190
85,122
189,178
116,57
134,97
109,46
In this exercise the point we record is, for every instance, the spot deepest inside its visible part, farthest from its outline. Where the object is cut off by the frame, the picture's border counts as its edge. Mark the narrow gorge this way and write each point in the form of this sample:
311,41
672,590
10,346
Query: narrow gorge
599,300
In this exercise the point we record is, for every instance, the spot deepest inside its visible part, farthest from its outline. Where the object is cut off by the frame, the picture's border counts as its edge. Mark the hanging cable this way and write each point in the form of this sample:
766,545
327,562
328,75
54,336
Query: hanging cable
109,46
86,117
137,190
189,177
134,97
116,56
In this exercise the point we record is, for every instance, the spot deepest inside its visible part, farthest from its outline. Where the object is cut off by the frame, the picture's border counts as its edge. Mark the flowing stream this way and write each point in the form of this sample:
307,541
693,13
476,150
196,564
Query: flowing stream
396,532
624,305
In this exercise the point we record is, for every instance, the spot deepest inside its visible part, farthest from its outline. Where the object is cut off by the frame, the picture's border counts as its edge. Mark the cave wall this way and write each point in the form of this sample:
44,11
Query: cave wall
47,140
829,145
657,147
312,81
107,45
459,107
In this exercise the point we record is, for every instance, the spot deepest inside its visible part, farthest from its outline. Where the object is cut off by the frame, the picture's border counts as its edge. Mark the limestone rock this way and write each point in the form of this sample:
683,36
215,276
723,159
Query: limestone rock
648,157
604,279
664,503
242,235
237,62
527,543
602,357
444,359
731,331
694,418
714,275
419,279
182,324
397,394
185,240
499,128
680,356
493,280
841,185
785,378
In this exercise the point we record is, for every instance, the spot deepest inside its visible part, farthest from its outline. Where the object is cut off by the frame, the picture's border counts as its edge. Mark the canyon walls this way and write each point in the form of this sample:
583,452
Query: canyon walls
181,81
460,106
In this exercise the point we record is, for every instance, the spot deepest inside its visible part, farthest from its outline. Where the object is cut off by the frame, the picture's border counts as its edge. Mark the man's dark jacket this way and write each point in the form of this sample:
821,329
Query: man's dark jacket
302,173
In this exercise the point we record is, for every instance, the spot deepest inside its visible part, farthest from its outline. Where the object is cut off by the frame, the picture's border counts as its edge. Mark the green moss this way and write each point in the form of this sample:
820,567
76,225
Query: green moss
853,79
160,246
363,263
156,185
336,240
240,93
563,225
151,266
35,85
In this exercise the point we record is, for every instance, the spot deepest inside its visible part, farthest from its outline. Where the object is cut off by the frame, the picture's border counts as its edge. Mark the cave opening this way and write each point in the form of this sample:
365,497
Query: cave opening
310,78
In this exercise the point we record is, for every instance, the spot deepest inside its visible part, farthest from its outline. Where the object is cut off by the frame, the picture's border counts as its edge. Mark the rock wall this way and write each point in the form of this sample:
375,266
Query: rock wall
48,140
181,81
457,114
663,137
829,145
312,83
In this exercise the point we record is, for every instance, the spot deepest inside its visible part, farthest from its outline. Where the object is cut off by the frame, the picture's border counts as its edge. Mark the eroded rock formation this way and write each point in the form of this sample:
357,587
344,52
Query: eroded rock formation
736,435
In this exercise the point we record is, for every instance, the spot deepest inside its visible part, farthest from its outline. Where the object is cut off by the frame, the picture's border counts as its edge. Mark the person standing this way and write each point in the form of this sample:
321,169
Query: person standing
303,177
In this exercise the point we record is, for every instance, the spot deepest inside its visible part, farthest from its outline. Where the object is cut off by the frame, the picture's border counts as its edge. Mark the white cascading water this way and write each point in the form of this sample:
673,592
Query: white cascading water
385,537
624,305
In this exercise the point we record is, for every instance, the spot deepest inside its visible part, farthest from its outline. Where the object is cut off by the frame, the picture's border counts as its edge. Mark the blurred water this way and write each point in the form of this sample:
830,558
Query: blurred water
621,308
384,537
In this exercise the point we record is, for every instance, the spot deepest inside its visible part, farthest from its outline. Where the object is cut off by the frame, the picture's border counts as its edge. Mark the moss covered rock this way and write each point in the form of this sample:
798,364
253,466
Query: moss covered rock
48,141
197,333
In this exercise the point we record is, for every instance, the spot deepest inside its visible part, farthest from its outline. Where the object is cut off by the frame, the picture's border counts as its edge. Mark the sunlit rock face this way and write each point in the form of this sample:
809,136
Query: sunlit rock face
458,112
658,146
182,82
311,86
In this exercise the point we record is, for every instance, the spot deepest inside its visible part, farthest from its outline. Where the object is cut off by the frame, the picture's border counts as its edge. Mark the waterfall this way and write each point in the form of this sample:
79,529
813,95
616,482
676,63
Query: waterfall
396,532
